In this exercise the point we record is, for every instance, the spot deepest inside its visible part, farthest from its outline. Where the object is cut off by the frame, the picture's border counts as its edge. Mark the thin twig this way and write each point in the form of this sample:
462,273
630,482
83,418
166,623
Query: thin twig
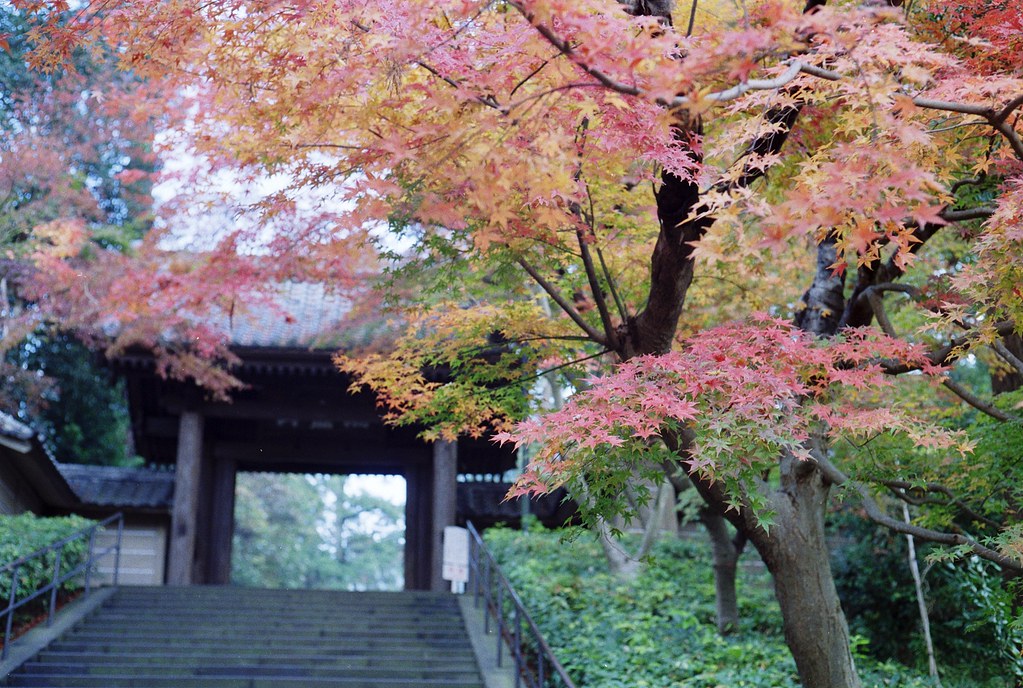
692,20
901,489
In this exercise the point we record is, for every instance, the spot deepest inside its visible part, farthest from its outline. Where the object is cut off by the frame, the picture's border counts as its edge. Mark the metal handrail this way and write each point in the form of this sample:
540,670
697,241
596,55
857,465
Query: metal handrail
59,577
535,663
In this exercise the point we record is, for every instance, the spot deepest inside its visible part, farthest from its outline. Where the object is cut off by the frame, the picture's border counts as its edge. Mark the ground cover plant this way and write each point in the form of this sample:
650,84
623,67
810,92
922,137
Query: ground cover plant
609,633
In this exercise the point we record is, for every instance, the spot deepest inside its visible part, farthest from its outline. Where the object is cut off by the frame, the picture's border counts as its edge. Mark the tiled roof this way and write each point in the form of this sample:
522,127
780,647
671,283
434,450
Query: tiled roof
15,429
299,315
120,487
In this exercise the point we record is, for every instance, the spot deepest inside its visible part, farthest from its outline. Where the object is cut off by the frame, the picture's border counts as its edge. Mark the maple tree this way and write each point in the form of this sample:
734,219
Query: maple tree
74,160
561,177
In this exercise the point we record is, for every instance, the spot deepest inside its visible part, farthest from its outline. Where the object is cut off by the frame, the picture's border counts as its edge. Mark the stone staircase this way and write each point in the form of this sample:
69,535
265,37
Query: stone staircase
225,637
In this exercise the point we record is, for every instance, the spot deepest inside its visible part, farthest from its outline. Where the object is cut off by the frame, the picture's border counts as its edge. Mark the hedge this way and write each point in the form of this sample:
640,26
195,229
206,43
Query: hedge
25,533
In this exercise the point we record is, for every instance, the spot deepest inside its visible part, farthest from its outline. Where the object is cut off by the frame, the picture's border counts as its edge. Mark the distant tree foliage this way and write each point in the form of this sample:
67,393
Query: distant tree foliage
309,531
81,413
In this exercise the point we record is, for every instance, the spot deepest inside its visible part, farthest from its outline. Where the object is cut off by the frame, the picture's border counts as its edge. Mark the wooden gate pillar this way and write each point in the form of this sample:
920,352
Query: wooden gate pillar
418,540
184,516
445,487
221,524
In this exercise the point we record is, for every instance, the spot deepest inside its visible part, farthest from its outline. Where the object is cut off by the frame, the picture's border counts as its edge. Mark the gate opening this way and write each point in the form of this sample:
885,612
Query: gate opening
334,532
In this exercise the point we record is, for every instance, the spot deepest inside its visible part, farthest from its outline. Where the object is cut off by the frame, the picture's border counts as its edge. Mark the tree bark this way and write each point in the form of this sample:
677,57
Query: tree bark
726,552
620,563
1009,380
794,549
796,554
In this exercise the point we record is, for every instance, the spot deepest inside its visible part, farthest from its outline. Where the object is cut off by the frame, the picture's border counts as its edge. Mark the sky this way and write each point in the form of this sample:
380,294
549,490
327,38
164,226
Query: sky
389,487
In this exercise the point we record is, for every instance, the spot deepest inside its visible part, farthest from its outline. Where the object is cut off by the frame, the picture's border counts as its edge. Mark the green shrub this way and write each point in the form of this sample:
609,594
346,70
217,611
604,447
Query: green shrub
659,630
879,597
26,533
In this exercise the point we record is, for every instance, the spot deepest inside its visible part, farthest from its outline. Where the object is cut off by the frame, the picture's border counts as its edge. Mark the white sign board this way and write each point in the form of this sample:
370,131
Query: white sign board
456,555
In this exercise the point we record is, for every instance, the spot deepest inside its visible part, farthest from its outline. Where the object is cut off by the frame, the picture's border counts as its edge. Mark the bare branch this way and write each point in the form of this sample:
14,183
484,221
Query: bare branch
563,303
598,293
1004,113
984,111
902,490
876,514
978,213
978,403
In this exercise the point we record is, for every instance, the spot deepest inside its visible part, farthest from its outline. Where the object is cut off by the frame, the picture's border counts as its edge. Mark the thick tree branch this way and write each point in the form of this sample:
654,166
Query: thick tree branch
877,306
1007,355
858,312
979,213
877,515
610,335
996,118
794,69
824,300
874,297
943,355
1003,114
948,106
976,402
563,303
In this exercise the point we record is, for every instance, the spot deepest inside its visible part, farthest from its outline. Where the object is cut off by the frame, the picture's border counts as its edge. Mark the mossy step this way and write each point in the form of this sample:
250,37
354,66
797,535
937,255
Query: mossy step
215,630
147,681
409,672
457,663
355,656
234,638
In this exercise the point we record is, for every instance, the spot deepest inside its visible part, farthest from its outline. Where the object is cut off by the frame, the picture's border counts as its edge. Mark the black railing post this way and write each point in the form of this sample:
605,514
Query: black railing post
60,576
88,569
529,669
117,552
488,597
499,614
54,584
10,609
519,659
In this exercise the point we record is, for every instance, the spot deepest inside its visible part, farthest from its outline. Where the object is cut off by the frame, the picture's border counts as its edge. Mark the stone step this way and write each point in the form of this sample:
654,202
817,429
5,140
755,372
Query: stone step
146,681
457,662
243,638
284,632
356,626
458,657
408,673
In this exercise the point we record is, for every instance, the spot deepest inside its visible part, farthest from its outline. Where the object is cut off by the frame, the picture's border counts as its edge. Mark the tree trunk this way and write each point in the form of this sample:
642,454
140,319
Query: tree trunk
726,560
796,553
1009,379
620,563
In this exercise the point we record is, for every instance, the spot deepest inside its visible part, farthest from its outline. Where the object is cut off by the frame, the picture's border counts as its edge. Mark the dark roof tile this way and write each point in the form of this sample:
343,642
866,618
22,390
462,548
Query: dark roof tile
298,315
120,487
